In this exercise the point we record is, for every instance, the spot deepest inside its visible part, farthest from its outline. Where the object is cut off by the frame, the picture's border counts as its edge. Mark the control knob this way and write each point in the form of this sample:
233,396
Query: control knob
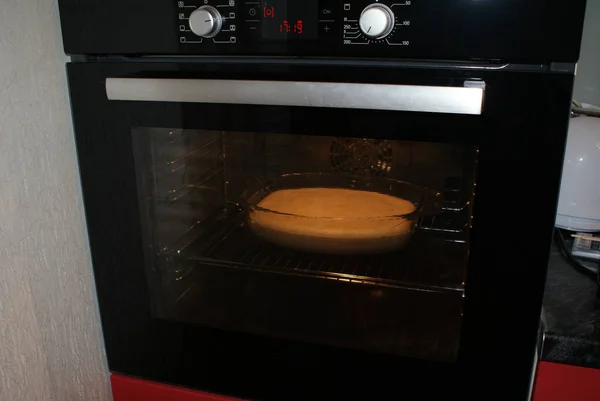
206,21
377,21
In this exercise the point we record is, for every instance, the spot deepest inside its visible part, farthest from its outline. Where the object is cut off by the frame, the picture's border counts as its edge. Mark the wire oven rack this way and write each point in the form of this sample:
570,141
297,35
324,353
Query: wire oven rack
433,259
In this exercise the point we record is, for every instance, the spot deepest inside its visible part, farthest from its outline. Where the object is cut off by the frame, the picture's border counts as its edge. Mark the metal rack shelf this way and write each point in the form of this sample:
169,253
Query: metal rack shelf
433,260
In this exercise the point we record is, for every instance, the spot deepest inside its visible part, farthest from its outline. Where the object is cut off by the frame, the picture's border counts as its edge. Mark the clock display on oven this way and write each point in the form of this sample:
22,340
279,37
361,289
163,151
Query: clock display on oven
289,19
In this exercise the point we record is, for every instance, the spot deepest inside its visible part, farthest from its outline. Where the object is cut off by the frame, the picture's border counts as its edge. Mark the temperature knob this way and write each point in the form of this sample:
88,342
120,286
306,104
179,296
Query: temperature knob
206,21
377,21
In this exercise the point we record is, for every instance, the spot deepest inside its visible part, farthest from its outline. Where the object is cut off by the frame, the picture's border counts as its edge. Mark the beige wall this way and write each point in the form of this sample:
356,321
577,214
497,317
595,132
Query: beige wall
50,340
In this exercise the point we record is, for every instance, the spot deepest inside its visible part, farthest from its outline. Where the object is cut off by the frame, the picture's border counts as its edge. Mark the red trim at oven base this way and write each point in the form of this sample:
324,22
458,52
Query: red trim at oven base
556,382
129,389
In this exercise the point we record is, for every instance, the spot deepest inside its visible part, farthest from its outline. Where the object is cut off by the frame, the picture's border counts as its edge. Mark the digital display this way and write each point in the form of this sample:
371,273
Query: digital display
289,19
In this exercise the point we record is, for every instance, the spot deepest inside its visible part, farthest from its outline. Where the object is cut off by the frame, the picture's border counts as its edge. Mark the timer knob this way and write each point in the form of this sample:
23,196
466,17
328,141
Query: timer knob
206,21
376,21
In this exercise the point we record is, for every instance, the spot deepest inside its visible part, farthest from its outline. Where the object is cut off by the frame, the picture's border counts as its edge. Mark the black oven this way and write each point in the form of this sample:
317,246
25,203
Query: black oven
201,283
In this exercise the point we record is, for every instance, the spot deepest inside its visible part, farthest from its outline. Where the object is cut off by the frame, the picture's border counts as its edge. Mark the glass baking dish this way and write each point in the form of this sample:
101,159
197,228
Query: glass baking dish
357,222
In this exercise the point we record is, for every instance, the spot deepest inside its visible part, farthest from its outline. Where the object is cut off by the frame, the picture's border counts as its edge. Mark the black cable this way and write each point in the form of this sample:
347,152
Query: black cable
559,239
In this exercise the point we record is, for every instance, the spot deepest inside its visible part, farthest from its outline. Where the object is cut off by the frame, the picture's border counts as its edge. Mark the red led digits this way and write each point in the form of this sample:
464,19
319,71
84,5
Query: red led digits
297,27
289,19
284,27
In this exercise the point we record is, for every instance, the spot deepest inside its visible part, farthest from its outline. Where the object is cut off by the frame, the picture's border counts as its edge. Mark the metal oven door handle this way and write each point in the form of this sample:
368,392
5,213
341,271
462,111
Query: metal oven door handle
432,99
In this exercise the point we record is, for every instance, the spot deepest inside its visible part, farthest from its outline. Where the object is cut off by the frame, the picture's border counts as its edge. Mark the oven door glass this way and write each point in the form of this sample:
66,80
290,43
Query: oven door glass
343,241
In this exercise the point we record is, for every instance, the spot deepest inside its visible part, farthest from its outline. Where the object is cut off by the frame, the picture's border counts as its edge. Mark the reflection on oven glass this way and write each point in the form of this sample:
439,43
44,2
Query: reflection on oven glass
349,242
361,156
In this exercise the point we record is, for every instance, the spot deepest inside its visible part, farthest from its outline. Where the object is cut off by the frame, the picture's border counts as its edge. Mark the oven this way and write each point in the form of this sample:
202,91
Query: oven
317,227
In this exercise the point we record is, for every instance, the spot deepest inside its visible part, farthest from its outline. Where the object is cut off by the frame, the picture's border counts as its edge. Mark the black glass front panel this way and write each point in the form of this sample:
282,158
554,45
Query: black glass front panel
158,306
214,259
496,30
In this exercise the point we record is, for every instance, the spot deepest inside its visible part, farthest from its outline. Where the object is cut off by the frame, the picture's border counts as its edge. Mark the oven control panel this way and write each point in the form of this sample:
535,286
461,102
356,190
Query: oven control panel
299,24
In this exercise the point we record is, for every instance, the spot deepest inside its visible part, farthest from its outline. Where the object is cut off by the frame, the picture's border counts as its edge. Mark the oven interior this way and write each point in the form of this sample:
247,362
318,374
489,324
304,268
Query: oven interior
206,267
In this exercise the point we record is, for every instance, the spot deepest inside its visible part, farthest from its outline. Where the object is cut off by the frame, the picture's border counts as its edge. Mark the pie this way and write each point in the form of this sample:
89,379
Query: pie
333,220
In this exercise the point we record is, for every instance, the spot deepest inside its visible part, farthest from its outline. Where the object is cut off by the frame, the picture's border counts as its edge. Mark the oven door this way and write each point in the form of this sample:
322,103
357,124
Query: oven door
220,266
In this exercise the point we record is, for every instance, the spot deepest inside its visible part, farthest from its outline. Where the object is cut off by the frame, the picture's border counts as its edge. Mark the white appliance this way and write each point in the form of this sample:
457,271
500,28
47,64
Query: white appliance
579,201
